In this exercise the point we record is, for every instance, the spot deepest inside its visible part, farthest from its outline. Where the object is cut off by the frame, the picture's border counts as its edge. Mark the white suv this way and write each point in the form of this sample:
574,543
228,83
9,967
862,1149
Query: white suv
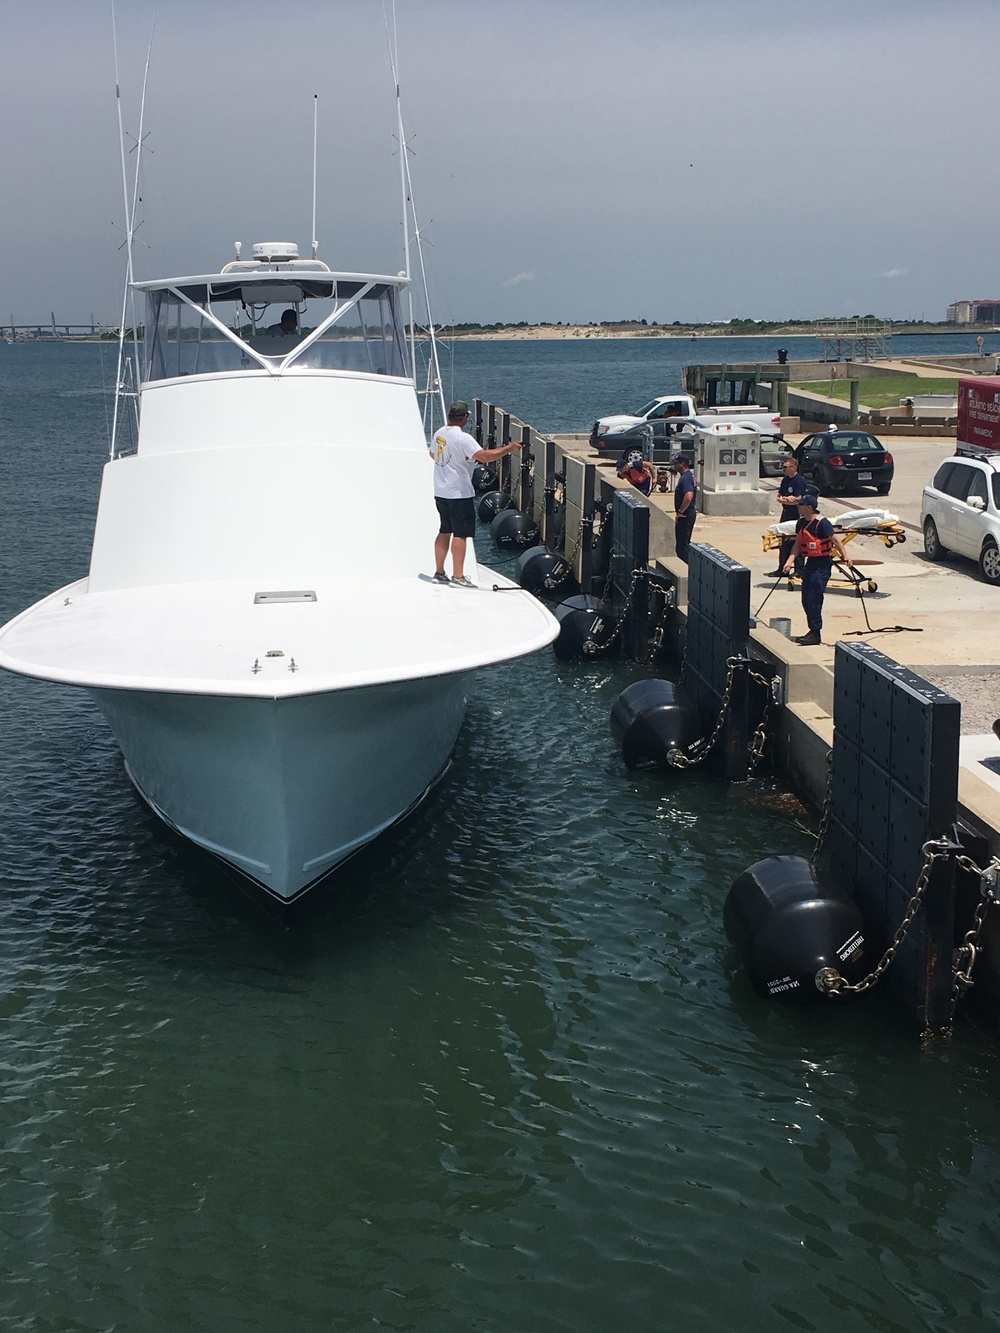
961,510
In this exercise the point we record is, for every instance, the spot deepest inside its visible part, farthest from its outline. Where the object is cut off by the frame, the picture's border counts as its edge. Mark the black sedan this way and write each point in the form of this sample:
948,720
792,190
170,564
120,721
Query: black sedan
670,434
845,460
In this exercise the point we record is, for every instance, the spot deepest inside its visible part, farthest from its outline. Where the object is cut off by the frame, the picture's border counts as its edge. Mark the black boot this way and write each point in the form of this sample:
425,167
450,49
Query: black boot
810,640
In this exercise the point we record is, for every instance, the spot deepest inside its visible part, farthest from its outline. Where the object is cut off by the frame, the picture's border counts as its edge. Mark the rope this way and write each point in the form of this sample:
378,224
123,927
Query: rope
886,629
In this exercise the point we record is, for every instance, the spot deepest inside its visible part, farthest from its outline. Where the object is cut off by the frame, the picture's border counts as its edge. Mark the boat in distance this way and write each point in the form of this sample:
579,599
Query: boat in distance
258,624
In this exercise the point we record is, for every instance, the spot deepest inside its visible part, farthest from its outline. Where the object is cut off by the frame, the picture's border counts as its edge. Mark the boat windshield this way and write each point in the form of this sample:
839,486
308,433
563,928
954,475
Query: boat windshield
275,326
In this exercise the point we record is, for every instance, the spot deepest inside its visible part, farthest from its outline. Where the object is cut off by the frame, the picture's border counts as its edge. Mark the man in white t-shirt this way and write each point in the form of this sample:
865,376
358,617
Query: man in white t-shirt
455,456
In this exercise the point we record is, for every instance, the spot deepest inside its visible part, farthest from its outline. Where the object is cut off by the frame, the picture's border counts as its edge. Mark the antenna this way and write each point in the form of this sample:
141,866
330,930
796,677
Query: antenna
130,225
315,243
410,213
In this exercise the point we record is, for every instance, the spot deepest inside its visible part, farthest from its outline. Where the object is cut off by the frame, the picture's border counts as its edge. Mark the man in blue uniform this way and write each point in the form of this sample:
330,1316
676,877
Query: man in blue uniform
790,488
816,541
685,506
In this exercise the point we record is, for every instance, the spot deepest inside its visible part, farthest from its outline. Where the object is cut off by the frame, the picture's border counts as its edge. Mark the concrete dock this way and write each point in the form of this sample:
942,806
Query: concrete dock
940,619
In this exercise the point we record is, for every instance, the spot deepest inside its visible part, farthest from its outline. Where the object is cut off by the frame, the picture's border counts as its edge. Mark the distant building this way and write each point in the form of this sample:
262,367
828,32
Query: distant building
974,312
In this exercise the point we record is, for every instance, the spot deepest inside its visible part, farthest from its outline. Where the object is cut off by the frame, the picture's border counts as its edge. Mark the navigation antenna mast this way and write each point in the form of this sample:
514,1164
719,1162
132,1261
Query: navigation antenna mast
315,242
434,387
127,375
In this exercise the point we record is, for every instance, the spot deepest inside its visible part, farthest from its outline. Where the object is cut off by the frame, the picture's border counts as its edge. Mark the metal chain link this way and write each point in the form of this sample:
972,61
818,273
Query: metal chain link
968,951
677,758
829,980
824,822
637,574
760,735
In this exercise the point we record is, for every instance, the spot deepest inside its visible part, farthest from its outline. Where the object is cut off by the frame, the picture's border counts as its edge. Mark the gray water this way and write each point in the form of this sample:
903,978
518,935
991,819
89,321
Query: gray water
503,1074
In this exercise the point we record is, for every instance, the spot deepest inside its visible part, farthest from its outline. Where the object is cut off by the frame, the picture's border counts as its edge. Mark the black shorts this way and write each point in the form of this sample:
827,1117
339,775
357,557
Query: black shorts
458,517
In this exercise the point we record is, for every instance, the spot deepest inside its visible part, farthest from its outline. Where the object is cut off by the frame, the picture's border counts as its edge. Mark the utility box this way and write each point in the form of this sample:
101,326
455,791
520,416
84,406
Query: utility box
728,469
729,456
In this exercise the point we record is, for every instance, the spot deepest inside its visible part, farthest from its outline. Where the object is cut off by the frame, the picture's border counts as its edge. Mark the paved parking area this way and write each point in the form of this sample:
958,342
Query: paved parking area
925,615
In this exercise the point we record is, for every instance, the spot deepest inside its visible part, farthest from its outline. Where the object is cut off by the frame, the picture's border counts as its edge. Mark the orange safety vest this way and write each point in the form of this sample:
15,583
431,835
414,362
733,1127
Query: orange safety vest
810,544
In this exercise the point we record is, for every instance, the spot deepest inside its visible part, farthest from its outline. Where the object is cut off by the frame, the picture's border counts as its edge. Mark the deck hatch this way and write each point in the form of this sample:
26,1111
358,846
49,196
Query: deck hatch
299,595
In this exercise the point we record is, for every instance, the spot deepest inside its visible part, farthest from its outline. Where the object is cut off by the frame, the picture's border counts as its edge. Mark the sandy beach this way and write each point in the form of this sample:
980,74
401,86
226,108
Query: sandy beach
563,332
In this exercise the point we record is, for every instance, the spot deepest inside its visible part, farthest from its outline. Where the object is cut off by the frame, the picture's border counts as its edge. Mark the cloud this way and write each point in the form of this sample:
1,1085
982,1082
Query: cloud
893,273
517,279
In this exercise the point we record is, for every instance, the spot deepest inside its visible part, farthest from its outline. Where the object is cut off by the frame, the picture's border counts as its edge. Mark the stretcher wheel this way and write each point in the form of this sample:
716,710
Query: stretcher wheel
901,538
872,586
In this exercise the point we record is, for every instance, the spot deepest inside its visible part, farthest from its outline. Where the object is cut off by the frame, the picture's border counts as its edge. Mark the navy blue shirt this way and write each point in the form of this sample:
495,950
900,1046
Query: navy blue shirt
685,483
792,485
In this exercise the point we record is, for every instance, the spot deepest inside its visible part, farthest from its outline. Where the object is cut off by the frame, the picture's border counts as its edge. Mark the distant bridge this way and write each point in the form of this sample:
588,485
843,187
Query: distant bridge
21,332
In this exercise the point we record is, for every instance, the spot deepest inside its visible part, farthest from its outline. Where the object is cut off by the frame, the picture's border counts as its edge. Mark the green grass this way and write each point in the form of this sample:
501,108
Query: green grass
880,390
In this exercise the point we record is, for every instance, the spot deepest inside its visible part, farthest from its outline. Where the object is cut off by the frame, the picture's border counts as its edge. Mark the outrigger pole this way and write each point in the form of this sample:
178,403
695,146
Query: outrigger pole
131,205
434,385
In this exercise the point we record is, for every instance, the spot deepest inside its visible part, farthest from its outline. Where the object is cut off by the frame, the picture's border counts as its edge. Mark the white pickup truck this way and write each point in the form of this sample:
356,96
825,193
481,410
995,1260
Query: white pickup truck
683,405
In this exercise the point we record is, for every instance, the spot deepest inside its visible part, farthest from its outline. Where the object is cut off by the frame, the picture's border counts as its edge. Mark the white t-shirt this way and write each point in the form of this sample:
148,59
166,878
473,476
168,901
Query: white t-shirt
454,453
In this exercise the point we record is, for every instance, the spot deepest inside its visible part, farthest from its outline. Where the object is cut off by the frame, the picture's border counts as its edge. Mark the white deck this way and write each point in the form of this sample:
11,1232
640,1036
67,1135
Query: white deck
205,638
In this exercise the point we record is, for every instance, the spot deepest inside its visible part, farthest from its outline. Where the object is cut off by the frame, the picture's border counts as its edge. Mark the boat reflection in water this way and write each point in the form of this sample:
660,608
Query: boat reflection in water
258,625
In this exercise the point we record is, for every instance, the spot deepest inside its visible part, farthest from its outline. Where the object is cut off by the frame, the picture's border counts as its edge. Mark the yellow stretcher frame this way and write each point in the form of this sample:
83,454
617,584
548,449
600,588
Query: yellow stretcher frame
846,576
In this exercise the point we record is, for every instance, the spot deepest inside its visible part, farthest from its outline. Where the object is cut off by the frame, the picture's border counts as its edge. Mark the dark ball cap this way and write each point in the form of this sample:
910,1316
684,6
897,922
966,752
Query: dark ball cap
458,409
678,458
809,500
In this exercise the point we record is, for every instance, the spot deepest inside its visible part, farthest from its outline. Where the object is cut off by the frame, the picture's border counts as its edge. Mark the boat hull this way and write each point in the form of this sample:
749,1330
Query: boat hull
284,790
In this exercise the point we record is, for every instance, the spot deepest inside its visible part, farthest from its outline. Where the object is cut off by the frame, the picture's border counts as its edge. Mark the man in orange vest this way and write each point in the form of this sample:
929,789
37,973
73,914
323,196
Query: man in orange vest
815,541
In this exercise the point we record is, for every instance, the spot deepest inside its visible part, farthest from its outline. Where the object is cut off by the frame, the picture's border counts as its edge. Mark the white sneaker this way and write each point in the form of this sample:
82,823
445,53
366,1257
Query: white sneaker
463,582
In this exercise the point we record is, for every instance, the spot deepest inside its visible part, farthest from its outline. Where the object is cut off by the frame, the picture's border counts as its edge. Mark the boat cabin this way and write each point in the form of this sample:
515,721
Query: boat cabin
240,320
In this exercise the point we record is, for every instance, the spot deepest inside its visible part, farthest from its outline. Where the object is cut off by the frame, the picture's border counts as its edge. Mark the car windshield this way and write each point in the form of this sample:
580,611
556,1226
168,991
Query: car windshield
646,409
855,444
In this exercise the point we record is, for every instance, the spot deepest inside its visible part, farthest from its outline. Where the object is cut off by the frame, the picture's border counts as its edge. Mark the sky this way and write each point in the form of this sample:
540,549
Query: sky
572,160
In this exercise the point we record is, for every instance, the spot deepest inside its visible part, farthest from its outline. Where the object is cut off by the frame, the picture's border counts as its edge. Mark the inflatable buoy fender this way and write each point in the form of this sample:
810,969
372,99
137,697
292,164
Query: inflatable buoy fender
491,504
545,573
787,927
484,478
513,531
586,629
652,717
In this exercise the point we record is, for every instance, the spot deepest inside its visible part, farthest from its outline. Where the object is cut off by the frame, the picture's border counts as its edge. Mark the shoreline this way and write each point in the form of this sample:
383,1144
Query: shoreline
568,332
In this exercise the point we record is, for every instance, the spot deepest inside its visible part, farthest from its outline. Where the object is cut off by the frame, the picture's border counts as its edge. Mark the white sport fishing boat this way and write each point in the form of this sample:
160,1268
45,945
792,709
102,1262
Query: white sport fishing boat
258,624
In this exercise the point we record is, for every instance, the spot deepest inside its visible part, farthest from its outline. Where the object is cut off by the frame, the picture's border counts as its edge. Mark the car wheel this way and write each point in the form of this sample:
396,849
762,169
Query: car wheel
932,542
883,487
989,563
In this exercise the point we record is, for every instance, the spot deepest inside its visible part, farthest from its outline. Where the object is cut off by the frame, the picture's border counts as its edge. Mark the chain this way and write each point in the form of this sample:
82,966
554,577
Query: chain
659,633
829,980
677,758
760,735
968,952
591,644
585,523
824,823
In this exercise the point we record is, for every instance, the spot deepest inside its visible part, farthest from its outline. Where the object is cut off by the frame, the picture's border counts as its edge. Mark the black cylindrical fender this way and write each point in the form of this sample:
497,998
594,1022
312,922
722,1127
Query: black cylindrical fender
787,927
586,629
513,531
649,719
491,504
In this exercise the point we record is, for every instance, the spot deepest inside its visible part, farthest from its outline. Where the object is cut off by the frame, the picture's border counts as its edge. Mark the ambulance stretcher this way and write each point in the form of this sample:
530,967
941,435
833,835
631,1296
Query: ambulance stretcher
855,523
